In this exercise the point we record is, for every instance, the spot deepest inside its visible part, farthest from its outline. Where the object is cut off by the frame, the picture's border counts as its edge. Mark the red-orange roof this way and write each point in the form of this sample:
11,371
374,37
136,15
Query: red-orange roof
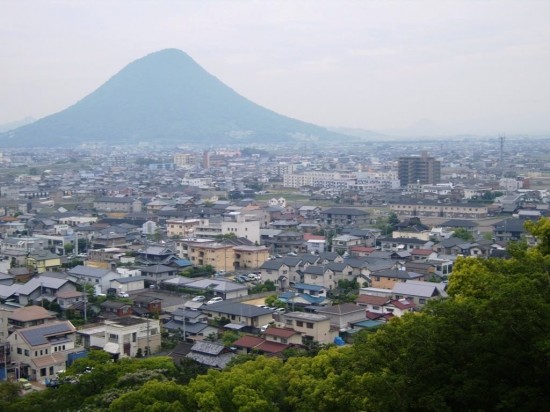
248,342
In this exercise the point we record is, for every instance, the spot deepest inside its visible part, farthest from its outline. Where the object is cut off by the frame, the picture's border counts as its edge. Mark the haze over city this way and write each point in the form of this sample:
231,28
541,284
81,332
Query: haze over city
406,68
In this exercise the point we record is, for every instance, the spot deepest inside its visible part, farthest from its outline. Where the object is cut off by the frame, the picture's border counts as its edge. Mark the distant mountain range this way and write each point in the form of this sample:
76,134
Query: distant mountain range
14,125
164,97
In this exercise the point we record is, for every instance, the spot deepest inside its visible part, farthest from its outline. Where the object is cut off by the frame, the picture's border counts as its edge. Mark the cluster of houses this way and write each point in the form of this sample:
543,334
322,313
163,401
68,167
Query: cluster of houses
128,232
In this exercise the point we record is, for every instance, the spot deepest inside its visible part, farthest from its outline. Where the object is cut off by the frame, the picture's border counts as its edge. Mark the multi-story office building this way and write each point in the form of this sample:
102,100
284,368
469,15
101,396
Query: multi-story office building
419,169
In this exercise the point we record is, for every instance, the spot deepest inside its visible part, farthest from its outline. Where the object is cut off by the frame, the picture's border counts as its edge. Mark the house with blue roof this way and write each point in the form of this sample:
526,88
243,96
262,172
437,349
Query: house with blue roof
311,290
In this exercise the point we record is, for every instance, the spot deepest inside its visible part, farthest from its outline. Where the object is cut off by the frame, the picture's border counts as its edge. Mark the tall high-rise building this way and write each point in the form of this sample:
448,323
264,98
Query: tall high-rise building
422,169
206,159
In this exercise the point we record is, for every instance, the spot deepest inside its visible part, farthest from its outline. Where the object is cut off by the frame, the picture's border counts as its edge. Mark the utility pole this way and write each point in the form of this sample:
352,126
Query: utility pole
148,348
85,308
5,361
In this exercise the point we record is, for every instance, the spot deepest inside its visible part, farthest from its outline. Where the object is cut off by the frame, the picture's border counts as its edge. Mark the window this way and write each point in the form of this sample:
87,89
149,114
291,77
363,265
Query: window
51,370
309,325
422,301
43,372
299,323
27,353
19,351
289,322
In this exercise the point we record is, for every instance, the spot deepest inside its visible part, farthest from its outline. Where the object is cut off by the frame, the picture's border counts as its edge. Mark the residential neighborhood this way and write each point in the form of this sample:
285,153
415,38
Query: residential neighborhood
139,258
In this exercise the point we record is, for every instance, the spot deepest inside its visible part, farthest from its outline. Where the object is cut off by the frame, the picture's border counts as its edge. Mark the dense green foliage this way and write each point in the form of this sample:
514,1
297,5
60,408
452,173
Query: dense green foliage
485,348
463,234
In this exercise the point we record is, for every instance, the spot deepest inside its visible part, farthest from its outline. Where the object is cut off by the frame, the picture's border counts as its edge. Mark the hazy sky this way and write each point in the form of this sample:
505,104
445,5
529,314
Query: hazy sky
469,66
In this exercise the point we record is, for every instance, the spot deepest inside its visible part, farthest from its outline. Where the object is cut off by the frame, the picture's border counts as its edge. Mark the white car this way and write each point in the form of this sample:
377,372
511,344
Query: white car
199,298
123,295
214,300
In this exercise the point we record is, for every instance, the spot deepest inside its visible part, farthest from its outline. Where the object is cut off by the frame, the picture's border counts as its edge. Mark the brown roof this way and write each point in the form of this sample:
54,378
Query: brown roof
248,341
403,304
49,360
422,252
280,332
374,315
272,347
29,313
309,236
69,294
366,249
371,300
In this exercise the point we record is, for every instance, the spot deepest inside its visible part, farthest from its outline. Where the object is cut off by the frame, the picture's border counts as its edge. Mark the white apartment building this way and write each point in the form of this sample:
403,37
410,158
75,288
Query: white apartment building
197,181
247,226
307,178
373,181
124,336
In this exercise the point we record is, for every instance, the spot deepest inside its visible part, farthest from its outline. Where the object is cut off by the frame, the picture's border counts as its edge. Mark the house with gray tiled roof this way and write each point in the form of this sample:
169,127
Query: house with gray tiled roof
156,274
343,315
43,287
210,354
419,292
151,255
387,278
327,257
319,275
223,288
92,276
250,316
188,322
276,271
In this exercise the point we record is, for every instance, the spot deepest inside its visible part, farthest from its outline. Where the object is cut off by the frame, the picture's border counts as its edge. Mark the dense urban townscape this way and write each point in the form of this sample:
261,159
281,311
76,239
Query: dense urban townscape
198,259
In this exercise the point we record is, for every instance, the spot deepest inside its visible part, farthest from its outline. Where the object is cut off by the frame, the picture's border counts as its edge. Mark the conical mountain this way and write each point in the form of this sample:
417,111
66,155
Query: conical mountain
165,96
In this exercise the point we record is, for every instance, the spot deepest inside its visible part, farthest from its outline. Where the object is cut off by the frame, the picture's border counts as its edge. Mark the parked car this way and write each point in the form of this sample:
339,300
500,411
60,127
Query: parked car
199,298
214,300
24,384
241,278
280,310
123,295
252,276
